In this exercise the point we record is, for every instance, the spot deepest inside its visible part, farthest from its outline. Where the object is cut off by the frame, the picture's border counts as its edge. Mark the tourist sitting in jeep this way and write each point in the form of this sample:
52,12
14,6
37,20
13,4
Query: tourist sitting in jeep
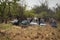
53,22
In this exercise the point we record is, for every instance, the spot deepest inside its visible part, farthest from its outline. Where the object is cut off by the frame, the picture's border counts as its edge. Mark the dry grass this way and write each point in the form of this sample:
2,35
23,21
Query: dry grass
30,33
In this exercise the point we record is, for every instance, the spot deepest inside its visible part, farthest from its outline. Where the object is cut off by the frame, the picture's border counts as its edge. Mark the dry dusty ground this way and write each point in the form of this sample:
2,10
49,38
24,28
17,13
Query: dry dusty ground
30,33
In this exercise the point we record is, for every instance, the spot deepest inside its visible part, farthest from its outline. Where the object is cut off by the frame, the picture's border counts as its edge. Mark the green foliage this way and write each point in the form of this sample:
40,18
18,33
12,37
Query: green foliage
57,13
5,26
39,9
43,14
29,14
11,8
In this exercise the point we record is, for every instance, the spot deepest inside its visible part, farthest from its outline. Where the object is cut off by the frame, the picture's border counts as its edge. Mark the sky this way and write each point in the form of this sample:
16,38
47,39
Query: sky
32,3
